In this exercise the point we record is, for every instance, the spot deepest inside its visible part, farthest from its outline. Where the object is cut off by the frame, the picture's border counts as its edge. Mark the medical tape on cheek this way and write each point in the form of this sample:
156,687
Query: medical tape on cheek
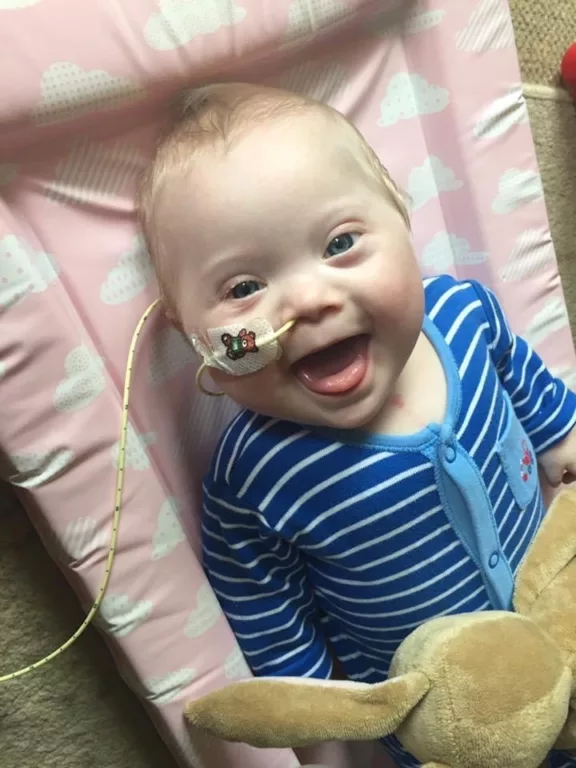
238,349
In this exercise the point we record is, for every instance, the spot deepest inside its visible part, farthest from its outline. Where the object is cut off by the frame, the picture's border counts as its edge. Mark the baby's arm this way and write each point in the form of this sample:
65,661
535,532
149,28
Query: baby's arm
261,583
543,403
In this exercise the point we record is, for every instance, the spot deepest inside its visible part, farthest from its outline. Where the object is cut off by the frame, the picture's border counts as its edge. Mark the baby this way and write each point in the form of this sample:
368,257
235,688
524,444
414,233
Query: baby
384,467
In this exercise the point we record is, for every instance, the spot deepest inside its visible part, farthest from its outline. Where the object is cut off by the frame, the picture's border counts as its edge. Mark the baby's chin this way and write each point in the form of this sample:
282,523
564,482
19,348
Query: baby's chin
280,395
349,418
346,420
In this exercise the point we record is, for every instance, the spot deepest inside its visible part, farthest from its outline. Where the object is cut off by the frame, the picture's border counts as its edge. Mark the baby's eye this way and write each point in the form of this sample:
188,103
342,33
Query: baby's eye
341,243
244,289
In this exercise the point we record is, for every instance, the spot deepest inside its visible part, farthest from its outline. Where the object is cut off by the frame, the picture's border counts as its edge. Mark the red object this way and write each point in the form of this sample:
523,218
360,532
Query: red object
568,69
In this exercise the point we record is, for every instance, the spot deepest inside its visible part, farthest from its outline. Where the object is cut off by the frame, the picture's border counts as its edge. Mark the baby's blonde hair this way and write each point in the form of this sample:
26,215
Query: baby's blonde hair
219,114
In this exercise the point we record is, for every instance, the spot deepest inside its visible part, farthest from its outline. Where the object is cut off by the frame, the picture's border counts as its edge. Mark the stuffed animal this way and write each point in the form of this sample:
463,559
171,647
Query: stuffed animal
493,688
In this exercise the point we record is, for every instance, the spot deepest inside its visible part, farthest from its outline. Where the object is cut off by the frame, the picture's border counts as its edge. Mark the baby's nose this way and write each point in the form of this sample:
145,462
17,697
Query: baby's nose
311,299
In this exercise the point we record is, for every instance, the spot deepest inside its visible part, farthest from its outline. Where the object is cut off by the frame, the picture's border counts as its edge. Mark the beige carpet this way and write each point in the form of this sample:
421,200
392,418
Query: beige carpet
76,713
544,29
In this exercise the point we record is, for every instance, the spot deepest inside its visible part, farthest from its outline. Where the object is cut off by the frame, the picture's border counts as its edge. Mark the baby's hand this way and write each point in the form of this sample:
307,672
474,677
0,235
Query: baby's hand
559,463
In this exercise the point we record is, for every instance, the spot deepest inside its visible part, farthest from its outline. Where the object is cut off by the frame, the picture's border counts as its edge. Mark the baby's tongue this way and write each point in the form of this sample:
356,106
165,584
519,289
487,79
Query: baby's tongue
336,369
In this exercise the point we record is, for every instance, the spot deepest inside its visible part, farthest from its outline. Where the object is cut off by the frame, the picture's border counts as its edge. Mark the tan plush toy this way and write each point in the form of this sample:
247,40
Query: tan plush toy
484,690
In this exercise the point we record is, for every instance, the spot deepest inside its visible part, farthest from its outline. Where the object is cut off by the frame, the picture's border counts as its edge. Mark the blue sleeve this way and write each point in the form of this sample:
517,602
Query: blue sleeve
544,404
262,585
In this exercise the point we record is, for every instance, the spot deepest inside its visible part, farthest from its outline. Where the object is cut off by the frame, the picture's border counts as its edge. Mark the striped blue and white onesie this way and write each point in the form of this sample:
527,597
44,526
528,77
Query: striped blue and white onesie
318,539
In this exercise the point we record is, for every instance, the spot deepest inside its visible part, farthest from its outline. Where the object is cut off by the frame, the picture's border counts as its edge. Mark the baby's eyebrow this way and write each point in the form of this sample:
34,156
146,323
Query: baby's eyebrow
343,208
225,264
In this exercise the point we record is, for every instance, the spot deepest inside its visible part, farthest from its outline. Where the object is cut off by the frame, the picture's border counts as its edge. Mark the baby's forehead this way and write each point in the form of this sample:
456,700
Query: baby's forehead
307,130
316,129
265,175
295,145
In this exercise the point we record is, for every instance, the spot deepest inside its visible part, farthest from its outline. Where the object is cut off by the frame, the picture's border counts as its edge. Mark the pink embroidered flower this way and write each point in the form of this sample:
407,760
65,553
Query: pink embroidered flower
526,463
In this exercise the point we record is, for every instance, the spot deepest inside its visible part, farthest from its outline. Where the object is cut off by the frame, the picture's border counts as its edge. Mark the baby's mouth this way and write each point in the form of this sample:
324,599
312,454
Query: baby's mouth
337,369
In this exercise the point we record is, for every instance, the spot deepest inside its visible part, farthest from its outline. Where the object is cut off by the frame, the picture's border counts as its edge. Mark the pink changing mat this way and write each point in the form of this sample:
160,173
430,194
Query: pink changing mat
434,86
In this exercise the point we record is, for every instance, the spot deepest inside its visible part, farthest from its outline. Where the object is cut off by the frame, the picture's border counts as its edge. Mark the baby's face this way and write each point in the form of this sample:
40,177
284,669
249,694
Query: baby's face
287,224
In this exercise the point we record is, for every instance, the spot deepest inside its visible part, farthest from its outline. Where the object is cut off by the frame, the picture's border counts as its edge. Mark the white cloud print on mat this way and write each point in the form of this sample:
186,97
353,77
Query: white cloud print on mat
23,270
170,353
417,22
136,449
502,115
515,188
180,21
532,253
96,173
206,614
308,16
130,277
426,181
323,82
446,250
236,665
68,91
168,687
551,318
123,615
408,96
84,536
169,532
83,382
33,470
10,5
489,28
420,22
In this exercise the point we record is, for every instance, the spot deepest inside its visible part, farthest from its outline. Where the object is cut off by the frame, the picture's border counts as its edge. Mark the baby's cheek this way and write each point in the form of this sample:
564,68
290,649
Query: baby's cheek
398,302
393,274
225,382
251,391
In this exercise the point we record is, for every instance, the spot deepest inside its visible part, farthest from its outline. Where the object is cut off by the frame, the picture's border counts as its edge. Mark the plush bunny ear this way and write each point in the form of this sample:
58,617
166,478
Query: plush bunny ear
550,552
295,712
435,765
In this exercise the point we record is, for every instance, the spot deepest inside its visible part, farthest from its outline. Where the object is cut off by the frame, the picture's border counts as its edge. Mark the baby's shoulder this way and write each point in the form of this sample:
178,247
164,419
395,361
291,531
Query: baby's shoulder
446,293
449,301
252,444
260,459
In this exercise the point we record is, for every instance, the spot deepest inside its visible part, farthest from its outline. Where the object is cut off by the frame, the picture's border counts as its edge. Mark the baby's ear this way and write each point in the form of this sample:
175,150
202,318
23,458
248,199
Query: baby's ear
171,316
296,712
